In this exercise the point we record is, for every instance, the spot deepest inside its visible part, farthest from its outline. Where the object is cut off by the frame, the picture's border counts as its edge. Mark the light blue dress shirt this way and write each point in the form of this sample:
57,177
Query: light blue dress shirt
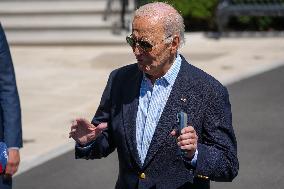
152,100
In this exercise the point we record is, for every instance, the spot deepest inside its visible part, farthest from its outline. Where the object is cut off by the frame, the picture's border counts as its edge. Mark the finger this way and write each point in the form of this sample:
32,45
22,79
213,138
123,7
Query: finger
73,128
73,122
101,126
186,142
11,168
186,136
15,169
188,129
174,133
8,169
188,147
71,134
82,121
79,119
183,142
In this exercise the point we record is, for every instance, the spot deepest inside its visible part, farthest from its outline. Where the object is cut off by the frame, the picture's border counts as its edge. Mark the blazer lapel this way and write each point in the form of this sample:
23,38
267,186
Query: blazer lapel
168,118
130,105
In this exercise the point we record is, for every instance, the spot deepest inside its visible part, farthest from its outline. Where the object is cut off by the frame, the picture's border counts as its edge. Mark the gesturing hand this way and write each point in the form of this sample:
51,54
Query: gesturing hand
82,131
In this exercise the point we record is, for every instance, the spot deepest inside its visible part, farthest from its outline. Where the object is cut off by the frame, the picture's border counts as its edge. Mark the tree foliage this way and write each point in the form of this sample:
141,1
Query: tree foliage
200,15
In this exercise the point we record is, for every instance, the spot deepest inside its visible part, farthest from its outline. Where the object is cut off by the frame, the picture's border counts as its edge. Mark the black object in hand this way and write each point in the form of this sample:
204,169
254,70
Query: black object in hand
182,123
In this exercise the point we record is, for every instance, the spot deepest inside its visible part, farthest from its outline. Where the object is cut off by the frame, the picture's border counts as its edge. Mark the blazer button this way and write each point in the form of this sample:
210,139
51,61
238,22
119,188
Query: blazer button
203,177
142,176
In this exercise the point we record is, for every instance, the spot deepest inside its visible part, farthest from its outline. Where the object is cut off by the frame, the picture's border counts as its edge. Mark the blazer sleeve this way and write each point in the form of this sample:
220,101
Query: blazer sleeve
103,145
217,152
10,109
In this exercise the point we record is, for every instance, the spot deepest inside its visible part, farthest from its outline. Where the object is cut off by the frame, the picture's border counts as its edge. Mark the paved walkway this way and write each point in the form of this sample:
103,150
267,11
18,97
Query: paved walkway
57,84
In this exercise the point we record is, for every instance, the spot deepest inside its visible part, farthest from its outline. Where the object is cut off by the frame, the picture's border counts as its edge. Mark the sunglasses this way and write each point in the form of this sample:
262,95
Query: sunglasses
144,45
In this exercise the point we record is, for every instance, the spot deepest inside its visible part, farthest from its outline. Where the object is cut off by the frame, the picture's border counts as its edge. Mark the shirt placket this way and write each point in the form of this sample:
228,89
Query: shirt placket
151,121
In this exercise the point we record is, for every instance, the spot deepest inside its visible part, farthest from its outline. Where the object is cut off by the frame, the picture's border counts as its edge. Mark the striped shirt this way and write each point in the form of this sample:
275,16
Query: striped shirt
152,100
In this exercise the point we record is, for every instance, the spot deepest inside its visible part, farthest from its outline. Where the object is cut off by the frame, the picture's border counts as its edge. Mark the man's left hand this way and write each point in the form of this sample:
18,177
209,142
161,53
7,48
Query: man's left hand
13,161
187,140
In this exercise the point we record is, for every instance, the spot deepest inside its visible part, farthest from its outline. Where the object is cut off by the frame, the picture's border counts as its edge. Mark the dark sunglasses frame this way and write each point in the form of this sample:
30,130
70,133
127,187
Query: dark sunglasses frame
146,46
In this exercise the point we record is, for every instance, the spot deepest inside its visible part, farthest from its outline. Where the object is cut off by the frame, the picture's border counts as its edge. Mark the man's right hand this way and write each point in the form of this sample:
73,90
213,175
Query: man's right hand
83,132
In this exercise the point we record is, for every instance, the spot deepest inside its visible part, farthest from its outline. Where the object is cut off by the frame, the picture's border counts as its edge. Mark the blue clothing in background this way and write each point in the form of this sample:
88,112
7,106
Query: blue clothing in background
10,111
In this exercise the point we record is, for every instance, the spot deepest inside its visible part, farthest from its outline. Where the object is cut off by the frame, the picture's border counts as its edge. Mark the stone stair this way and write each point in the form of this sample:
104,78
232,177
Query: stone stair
62,22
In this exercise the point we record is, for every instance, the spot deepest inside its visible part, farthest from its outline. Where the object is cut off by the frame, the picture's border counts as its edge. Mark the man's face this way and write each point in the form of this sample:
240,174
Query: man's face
156,61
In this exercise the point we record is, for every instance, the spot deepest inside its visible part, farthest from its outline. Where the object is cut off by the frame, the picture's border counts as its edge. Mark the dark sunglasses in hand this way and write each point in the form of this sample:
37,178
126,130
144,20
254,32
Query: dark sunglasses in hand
146,46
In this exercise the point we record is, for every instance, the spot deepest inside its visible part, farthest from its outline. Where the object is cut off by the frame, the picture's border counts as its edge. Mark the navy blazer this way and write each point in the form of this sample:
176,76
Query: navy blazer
10,111
208,107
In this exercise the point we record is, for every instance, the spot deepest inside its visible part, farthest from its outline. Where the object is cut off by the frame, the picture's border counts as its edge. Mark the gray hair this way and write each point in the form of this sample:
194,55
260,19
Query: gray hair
172,20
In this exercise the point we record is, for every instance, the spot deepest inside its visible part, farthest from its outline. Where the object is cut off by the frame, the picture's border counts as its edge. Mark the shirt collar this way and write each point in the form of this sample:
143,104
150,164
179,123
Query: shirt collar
172,73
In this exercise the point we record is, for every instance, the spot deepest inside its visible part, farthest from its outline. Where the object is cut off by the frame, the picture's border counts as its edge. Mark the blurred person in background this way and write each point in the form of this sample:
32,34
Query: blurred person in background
10,114
138,109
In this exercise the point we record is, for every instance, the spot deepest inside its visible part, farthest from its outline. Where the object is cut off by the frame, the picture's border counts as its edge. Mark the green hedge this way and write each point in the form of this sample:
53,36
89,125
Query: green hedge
201,9
200,15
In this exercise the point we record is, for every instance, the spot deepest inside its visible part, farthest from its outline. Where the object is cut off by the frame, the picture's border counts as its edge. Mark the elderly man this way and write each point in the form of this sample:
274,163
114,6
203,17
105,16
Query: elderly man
10,113
138,109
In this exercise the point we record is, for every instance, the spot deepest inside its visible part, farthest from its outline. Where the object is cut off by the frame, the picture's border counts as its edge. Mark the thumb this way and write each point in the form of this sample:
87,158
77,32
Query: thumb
173,133
101,126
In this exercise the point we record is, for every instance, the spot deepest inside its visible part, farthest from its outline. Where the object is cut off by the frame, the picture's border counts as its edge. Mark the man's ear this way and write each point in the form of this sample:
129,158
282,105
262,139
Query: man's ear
175,43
